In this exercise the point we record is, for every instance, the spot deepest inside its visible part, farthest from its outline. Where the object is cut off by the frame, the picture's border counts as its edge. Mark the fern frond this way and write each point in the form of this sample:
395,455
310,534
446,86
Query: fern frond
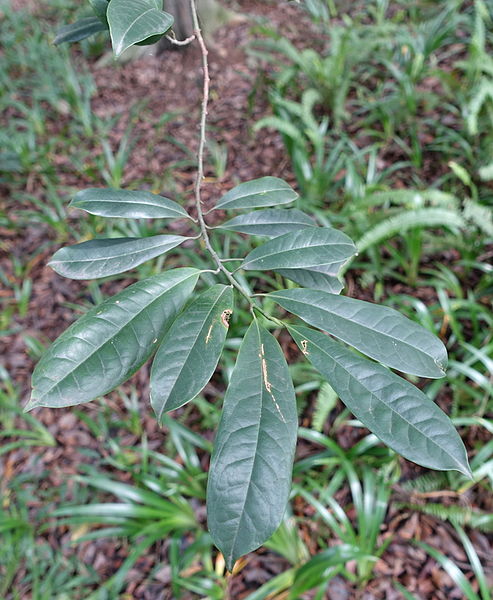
480,215
457,515
429,482
425,218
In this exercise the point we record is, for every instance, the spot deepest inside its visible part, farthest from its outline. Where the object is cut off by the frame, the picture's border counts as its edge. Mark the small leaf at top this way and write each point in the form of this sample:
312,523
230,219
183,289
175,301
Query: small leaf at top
321,249
108,202
251,465
80,30
379,332
393,409
270,223
266,191
133,21
190,351
101,258
111,341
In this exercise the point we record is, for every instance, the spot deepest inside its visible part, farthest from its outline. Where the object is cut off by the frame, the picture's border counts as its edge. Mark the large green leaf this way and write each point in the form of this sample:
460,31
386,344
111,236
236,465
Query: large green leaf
266,191
108,202
110,342
270,223
319,249
190,350
313,279
80,30
251,466
100,258
377,331
393,409
133,21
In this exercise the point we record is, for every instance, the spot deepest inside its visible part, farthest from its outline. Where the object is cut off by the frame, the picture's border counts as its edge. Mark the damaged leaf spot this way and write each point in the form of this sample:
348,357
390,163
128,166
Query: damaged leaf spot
225,317
209,334
268,385
304,347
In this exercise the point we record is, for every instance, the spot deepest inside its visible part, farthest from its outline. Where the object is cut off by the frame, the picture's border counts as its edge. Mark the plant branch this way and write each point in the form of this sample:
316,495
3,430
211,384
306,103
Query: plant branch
200,155
172,40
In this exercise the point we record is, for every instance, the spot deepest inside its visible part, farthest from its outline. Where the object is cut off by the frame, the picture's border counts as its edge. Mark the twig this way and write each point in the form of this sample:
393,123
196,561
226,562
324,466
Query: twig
200,155
172,40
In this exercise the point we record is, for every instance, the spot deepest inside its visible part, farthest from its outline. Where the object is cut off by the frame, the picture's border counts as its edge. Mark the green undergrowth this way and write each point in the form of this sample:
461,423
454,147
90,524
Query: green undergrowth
387,119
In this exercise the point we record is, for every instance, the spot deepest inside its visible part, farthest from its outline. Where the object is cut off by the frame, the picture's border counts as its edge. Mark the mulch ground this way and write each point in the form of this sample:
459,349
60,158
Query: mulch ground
172,83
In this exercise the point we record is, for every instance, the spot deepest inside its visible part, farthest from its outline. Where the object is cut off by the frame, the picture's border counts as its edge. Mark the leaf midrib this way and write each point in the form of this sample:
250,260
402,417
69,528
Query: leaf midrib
261,394
259,193
122,255
156,203
287,250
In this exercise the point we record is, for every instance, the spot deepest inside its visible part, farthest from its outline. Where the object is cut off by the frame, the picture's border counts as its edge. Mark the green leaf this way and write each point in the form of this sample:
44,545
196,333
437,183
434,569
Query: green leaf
100,7
266,191
393,409
80,30
101,258
108,202
379,332
190,351
110,342
270,223
251,466
319,249
133,21
313,279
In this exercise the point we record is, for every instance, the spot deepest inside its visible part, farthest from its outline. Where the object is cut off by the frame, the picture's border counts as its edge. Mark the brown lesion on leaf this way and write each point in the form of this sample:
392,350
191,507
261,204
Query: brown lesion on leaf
304,347
225,317
268,385
209,334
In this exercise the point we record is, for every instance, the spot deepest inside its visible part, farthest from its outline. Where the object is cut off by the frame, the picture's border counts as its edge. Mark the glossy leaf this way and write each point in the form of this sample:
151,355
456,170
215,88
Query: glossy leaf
80,30
379,332
101,258
313,279
393,409
190,351
110,342
270,223
251,466
107,202
133,21
266,191
319,249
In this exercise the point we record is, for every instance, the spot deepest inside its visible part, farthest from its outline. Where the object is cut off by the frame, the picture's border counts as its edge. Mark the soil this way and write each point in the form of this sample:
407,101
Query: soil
172,83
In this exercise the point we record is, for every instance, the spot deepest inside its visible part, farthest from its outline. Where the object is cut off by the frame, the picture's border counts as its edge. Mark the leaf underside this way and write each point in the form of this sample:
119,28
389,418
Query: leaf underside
190,350
112,341
319,249
379,332
251,466
269,223
101,258
392,408
266,191
107,202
